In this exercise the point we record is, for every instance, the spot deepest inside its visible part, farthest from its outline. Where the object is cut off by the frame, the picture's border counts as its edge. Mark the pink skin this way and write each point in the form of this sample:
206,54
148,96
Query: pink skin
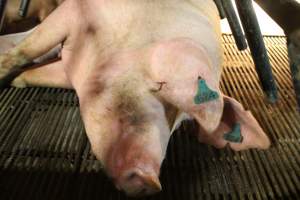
116,63
132,122
183,62
5,45
252,133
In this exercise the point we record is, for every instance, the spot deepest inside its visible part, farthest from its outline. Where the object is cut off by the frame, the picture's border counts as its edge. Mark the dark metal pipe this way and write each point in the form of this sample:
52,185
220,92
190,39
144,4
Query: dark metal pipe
220,8
24,8
234,25
257,48
286,13
2,12
294,55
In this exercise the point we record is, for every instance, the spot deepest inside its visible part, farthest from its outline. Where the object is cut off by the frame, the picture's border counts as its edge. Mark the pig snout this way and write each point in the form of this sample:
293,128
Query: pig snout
135,159
136,172
134,165
138,183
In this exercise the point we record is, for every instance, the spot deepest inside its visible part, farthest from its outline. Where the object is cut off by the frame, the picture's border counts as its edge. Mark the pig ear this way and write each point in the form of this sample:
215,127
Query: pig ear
239,128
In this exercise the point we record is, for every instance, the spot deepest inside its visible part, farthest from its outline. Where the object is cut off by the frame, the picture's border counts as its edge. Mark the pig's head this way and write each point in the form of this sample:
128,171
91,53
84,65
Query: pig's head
129,132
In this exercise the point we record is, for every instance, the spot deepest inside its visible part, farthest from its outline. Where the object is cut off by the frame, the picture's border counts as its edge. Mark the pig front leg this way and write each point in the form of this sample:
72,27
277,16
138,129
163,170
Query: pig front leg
41,74
191,84
47,35
5,45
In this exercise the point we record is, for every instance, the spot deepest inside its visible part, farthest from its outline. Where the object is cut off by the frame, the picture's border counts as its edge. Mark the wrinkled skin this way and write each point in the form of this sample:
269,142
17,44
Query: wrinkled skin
38,10
135,65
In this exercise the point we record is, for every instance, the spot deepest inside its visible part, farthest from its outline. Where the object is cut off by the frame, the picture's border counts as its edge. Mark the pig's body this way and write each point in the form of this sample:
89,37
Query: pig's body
124,28
37,12
135,66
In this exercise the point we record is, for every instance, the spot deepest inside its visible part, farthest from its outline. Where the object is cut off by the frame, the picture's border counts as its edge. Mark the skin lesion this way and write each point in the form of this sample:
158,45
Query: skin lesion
160,86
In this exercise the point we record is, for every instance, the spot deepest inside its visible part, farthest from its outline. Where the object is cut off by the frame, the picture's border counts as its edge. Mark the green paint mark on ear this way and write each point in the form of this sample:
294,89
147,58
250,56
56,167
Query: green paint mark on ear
204,94
235,135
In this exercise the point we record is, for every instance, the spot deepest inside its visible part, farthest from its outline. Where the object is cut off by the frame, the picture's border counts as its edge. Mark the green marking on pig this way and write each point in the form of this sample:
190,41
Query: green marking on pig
235,135
204,94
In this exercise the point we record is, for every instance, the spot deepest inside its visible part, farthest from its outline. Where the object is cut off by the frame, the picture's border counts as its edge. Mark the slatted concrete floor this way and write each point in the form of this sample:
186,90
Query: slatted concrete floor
45,153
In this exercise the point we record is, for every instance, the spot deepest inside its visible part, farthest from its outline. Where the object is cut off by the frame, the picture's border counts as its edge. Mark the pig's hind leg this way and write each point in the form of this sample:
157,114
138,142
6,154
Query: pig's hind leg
47,35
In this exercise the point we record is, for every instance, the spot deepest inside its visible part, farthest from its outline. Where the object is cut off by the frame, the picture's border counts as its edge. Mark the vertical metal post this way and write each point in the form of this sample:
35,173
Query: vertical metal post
257,48
220,8
294,55
2,12
23,8
234,24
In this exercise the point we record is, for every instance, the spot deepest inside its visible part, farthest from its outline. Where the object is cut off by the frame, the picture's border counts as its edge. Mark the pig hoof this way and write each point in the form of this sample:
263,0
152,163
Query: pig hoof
19,83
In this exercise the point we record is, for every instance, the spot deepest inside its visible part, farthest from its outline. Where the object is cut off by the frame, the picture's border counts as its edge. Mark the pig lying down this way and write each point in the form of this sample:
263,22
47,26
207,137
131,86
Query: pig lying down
138,67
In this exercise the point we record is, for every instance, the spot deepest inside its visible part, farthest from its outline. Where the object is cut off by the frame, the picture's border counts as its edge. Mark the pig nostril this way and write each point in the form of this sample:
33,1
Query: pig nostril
138,183
131,176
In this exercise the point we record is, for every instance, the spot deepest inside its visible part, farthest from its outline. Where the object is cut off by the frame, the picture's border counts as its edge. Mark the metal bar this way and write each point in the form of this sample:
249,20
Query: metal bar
2,12
24,8
220,8
294,55
234,24
280,11
257,48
